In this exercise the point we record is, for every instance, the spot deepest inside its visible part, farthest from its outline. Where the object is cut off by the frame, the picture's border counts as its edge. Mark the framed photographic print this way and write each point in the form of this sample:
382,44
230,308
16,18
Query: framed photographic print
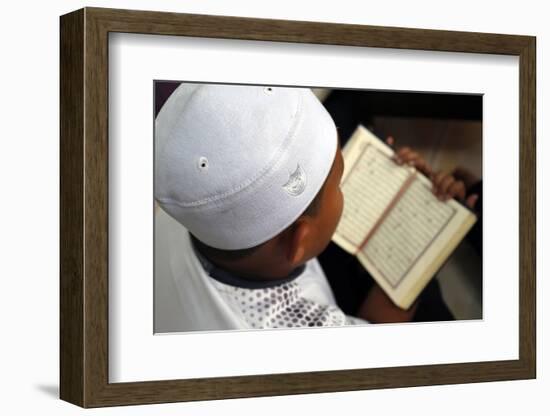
187,275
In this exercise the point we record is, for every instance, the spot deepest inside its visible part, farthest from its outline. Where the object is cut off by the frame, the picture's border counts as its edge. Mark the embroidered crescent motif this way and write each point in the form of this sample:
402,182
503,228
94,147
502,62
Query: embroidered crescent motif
296,182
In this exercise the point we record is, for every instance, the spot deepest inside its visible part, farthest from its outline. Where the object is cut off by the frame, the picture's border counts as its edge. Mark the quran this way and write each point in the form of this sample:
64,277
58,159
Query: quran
392,222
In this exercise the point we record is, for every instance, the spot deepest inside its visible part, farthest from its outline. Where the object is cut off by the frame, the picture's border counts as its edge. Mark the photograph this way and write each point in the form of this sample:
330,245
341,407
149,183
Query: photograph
281,207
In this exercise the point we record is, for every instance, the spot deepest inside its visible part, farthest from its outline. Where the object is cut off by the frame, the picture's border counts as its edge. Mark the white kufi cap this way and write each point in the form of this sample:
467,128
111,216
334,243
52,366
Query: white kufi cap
236,165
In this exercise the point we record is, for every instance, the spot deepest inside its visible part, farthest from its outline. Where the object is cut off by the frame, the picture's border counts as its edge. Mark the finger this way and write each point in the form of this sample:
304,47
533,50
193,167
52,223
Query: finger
465,176
421,165
400,154
403,152
443,188
457,190
411,157
415,159
436,178
471,201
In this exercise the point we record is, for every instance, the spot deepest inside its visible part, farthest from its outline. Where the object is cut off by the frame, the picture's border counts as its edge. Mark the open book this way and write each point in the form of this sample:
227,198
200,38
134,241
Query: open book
398,229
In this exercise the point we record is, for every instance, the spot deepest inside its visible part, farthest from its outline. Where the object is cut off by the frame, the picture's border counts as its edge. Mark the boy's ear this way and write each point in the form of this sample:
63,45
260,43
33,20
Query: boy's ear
298,242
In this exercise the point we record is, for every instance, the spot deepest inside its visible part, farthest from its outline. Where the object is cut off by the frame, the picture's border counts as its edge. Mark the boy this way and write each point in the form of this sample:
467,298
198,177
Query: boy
248,182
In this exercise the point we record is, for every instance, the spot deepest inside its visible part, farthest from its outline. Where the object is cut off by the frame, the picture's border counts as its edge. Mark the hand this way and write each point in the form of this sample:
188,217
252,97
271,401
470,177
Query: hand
466,176
405,155
378,308
446,186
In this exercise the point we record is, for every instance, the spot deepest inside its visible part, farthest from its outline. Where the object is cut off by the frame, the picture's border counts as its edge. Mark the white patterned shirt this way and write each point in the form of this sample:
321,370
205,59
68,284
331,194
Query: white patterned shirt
193,294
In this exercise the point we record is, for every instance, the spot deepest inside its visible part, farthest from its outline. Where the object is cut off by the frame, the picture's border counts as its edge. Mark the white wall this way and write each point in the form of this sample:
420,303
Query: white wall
29,159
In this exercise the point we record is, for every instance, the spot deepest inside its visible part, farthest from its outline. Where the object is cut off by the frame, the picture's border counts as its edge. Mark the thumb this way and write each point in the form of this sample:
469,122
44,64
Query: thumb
471,200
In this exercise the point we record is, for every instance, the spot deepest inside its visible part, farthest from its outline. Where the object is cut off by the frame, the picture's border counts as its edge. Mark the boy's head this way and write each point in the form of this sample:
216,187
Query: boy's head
252,172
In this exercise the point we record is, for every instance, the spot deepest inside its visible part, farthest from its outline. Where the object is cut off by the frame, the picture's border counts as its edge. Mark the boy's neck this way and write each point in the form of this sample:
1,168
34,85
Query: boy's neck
254,267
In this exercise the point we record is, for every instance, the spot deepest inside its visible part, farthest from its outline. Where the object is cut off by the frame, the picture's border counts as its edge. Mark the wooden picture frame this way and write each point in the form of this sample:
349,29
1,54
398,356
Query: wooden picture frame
84,207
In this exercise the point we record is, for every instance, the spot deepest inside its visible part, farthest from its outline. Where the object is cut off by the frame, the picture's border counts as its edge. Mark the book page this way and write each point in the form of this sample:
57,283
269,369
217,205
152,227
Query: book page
407,231
370,182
